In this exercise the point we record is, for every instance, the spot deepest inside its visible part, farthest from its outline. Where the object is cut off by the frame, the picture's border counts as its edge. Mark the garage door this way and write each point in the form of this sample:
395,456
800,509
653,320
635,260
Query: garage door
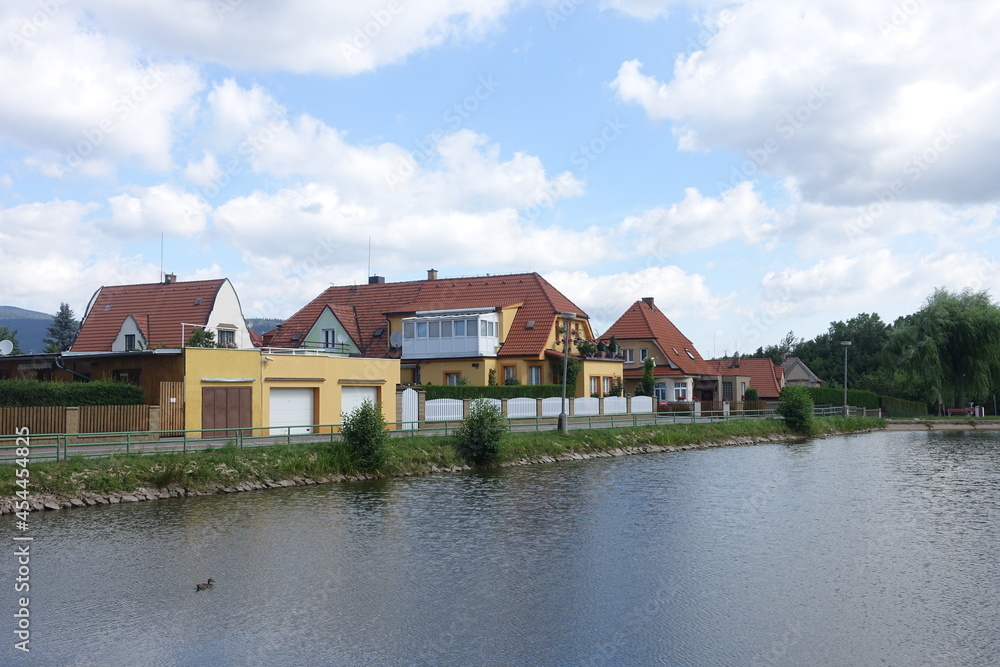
351,398
291,408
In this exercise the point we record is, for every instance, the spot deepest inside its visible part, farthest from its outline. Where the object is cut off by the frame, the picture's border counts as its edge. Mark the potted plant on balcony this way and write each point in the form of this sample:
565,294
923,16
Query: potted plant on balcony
586,347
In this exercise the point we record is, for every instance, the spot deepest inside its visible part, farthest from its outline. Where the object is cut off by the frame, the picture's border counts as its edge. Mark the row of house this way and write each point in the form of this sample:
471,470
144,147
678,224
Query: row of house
358,342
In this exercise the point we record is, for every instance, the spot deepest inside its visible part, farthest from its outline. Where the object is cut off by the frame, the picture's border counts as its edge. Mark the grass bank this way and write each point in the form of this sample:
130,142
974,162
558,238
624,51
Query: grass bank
231,466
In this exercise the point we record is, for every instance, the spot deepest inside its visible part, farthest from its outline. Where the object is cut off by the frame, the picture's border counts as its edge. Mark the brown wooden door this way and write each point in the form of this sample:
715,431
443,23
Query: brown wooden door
225,407
172,407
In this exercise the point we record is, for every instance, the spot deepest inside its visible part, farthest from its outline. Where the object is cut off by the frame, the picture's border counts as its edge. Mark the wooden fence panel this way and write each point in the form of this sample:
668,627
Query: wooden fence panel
172,407
113,418
38,420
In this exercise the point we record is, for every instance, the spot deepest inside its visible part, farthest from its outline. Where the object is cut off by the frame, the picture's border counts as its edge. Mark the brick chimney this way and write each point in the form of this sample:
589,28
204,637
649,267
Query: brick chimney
648,300
432,274
169,278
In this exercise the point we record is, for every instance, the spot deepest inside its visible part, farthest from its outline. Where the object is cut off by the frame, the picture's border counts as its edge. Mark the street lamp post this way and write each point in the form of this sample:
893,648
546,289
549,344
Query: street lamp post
563,421
846,344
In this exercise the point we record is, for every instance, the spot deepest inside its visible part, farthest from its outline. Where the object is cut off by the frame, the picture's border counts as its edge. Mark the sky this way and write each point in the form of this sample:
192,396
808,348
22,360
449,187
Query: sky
757,167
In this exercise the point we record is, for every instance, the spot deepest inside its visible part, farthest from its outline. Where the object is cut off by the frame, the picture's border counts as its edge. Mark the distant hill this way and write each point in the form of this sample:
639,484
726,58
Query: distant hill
31,327
263,324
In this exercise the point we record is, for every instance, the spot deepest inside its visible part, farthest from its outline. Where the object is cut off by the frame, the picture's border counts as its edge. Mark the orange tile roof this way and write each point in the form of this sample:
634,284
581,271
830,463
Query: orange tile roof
764,376
644,321
368,305
158,309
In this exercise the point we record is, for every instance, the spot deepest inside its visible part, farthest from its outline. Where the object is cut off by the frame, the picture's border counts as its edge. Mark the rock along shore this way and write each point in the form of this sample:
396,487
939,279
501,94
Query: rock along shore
46,502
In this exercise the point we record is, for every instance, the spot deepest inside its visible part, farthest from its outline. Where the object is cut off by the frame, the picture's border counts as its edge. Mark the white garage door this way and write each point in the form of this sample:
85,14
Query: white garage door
291,408
351,398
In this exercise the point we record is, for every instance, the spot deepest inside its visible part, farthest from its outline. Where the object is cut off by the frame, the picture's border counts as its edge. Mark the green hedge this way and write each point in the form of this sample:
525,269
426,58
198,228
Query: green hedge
32,393
859,398
898,408
470,391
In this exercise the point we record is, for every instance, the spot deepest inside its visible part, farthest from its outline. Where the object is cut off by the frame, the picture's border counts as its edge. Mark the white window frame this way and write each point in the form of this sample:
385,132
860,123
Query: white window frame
660,390
329,337
680,391
534,374
129,342
629,355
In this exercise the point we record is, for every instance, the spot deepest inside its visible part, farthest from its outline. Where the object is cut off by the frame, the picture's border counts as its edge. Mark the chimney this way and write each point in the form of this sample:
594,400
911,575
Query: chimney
169,278
376,280
432,274
648,300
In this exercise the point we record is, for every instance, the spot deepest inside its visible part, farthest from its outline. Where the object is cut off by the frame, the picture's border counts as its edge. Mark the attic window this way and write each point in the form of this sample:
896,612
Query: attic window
675,350
107,306
530,324
379,332
689,353
296,336
197,301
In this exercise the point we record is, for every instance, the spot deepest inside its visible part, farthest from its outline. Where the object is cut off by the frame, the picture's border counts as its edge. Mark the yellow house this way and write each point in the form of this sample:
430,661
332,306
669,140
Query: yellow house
267,391
282,392
469,330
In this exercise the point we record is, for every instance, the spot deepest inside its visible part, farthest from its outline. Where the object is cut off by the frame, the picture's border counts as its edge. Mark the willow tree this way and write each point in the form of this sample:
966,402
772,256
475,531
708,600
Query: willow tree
950,347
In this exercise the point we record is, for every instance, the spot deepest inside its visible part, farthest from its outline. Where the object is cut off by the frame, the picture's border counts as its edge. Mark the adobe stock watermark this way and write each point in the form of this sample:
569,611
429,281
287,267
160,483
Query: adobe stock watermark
122,108
785,127
772,311
223,8
581,158
363,35
454,118
900,16
248,149
22,551
913,169
32,26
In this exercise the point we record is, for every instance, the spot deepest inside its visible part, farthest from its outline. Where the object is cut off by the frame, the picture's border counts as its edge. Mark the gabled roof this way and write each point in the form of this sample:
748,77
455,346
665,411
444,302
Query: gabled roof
158,310
764,376
791,363
644,321
367,307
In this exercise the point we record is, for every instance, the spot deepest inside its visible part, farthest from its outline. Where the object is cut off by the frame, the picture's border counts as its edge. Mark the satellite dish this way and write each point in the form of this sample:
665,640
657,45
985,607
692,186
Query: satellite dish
6,347
341,338
396,338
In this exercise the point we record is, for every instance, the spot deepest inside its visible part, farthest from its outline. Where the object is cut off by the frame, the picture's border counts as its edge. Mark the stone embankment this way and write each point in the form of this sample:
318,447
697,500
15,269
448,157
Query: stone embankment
87,499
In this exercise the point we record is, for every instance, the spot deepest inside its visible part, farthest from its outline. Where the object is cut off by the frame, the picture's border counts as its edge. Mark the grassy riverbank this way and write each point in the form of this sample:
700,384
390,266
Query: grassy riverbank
230,466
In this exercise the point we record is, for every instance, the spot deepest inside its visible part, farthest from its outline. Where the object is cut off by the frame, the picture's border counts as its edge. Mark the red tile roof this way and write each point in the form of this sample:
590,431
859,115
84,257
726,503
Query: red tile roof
368,305
764,376
644,321
158,309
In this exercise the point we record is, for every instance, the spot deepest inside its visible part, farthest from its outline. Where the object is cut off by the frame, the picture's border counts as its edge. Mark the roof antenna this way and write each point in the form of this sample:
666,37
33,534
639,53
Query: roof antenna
369,256
160,279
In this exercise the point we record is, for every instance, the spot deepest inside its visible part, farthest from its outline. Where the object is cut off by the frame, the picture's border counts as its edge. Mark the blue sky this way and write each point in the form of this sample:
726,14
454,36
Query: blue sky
757,167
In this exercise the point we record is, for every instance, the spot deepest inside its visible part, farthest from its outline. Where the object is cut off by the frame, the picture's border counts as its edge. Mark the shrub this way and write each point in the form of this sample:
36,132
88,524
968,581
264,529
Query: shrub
751,395
857,397
365,435
511,382
647,385
796,407
31,393
480,439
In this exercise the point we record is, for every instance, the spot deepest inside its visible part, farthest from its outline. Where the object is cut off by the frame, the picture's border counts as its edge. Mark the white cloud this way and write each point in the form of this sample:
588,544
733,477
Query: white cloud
699,222
204,171
605,297
642,9
158,209
86,100
850,98
300,35
51,254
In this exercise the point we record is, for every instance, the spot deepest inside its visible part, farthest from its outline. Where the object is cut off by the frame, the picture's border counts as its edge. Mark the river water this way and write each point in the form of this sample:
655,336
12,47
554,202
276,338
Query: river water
874,549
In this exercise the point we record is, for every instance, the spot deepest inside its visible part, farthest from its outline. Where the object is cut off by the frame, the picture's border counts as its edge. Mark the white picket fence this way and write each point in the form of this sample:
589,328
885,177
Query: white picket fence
452,409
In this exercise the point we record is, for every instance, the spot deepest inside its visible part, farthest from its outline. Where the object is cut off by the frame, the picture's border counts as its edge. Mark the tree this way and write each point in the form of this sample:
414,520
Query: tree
824,355
11,335
572,372
366,436
796,407
647,385
479,440
62,331
950,347
202,338
778,353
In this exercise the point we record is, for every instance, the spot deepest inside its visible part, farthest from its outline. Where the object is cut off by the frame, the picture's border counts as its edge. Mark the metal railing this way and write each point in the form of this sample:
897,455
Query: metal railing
61,447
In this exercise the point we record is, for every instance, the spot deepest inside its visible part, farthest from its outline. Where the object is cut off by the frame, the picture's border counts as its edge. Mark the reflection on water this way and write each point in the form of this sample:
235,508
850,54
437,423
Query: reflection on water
871,549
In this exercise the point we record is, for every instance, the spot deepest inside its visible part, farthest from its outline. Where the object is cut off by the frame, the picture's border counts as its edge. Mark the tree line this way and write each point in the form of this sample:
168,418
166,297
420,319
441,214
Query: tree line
947,353
59,336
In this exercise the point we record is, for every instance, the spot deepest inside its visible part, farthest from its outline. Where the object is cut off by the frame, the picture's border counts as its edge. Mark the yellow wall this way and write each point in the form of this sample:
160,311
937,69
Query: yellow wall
323,374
